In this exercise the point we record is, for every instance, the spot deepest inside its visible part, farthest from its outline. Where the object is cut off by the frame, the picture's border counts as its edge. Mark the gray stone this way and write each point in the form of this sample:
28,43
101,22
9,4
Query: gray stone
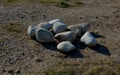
31,31
54,21
79,28
65,46
45,25
43,35
75,29
59,27
66,36
88,39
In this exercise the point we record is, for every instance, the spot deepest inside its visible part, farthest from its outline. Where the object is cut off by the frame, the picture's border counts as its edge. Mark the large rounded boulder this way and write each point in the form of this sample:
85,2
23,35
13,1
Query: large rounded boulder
65,46
43,35
66,36
88,39
45,25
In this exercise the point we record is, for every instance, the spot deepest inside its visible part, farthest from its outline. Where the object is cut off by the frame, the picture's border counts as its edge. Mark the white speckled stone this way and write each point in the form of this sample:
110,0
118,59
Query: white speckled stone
88,39
65,46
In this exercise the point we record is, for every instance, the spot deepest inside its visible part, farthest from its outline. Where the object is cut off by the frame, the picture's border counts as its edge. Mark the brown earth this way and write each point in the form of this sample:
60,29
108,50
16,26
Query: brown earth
19,52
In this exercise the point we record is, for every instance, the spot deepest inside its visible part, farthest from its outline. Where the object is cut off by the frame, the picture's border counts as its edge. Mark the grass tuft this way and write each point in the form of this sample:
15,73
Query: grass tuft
99,70
63,4
14,27
79,3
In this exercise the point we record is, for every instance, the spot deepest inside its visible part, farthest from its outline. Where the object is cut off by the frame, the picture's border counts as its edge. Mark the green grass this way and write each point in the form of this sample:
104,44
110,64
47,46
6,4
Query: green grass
14,27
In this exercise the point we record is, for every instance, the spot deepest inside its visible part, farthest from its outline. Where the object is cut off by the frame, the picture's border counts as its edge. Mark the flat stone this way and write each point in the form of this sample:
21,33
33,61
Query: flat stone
54,21
66,36
79,28
31,31
43,35
45,25
88,39
65,46
59,27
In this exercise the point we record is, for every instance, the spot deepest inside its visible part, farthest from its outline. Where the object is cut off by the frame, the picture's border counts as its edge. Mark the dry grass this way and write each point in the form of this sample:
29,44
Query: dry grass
65,71
14,27
42,1
100,70
2,40
59,3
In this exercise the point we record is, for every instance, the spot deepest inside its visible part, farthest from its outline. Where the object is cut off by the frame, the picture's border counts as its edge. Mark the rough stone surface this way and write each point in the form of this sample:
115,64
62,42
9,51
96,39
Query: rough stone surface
84,27
59,27
31,31
88,39
54,21
45,25
43,35
65,46
66,36
79,28
75,29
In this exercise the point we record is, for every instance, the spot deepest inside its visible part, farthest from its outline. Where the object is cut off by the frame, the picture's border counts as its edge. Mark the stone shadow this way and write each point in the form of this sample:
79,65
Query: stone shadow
72,54
97,35
75,53
51,46
78,46
101,49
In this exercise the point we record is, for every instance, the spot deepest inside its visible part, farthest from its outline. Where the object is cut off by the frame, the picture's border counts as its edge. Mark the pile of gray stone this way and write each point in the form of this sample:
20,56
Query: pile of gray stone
57,30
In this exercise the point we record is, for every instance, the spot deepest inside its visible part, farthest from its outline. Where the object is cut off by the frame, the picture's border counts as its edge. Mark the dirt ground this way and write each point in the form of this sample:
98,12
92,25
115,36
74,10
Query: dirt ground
19,53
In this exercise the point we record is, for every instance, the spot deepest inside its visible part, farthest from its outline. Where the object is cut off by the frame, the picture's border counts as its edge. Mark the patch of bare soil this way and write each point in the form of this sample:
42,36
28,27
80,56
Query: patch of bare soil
21,54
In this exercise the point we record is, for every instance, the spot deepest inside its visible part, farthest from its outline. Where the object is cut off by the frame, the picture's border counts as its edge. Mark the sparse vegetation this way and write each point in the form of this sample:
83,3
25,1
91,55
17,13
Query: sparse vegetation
66,71
64,4
41,1
49,1
61,56
79,3
59,3
2,40
14,27
100,70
